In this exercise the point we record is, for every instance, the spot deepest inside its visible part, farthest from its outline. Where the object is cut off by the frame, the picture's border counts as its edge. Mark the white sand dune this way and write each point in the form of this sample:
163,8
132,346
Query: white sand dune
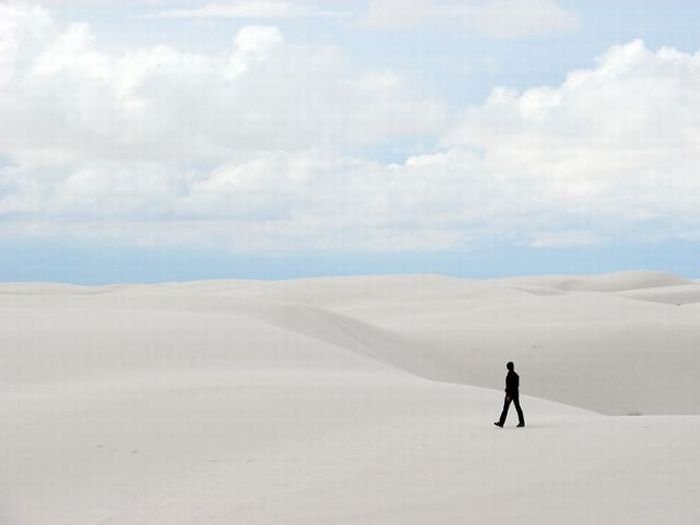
350,400
610,282
596,349
678,295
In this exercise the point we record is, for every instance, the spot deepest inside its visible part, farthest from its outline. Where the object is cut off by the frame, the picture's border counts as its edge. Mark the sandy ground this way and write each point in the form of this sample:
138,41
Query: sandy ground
362,400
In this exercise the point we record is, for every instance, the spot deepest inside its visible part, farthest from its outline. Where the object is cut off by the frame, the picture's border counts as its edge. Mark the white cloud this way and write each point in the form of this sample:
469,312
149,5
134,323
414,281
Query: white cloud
247,149
249,9
492,18
22,32
615,146
69,101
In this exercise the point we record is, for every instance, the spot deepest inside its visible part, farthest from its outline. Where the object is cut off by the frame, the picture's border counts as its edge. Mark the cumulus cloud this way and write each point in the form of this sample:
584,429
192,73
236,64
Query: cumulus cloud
71,101
248,149
617,144
492,18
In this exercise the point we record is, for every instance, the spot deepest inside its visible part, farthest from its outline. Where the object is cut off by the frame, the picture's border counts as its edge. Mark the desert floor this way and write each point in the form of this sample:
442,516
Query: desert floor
351,400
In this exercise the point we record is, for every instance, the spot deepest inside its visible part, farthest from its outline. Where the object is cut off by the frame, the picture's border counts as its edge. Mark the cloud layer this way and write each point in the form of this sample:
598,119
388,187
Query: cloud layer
250,149
491,18
257,9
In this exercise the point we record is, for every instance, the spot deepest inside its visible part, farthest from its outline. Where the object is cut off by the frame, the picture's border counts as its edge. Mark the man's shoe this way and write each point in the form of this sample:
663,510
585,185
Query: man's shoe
521,425
498,424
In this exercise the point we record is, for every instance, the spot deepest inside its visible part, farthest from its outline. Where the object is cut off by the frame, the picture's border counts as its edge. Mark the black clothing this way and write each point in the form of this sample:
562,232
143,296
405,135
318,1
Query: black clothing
512,394
512,383
506,404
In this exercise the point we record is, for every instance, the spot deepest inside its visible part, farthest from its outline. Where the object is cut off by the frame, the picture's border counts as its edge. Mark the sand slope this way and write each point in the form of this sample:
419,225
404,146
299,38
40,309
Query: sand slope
311,401
589,341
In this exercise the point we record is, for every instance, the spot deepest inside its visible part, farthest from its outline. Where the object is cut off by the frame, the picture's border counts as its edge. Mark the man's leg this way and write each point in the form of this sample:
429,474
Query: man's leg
504,414
521,418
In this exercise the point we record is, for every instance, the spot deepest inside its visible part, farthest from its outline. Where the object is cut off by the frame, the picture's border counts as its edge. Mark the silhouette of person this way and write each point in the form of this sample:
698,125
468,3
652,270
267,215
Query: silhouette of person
512,394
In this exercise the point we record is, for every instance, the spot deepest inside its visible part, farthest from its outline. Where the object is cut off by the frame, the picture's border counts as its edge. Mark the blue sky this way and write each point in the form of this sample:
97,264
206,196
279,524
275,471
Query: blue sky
150,141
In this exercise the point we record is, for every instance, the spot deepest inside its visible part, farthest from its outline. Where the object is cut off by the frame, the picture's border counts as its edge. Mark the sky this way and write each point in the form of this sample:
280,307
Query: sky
154,141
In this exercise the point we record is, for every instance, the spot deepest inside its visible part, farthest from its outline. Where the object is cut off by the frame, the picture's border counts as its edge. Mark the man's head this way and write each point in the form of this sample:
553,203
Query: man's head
510,365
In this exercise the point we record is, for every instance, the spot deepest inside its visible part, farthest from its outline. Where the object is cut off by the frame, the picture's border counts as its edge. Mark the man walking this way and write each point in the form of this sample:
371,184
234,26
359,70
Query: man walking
512,394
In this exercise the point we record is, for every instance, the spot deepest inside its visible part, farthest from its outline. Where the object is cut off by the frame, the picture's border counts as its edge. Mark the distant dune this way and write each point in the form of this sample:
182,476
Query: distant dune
580,340
610,282
350,400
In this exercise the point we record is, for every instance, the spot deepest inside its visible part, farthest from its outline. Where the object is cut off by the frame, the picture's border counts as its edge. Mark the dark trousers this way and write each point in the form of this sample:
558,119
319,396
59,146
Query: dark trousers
506,404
